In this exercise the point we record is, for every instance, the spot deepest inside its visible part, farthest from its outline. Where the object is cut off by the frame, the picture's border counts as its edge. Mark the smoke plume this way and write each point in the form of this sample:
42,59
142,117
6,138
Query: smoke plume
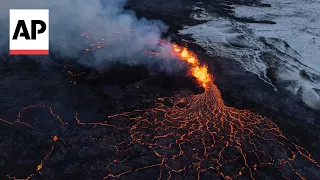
127,39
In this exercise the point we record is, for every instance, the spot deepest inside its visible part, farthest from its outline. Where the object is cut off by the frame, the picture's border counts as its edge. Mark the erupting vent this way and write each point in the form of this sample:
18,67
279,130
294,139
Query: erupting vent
199,72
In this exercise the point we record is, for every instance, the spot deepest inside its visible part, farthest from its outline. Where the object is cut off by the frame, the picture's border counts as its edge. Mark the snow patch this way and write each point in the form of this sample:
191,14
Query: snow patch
286,53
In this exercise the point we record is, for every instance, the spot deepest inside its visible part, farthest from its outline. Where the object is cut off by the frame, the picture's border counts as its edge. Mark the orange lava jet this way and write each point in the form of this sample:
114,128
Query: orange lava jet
199,72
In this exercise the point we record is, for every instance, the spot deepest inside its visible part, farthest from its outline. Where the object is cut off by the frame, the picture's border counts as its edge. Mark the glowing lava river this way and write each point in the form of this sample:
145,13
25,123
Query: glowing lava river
183,137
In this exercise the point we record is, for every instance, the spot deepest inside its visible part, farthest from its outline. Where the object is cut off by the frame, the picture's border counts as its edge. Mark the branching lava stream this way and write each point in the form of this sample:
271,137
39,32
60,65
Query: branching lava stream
214,139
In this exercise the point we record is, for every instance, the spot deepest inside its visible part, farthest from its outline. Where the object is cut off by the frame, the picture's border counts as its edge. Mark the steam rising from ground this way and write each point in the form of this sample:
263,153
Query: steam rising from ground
68,19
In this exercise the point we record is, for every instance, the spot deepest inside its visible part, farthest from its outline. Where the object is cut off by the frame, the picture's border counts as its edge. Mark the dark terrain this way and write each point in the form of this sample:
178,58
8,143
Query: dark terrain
49,105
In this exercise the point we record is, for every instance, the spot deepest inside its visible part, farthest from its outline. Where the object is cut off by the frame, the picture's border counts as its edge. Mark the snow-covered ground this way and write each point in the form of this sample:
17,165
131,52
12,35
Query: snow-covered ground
288,50
297,23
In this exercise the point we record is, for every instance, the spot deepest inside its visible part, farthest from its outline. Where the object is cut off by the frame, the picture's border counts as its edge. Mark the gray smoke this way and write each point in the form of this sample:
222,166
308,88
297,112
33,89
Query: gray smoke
126,35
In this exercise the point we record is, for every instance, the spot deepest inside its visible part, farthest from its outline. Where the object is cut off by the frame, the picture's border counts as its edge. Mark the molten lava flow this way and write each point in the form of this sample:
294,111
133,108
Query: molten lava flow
195,137
200,137
207,139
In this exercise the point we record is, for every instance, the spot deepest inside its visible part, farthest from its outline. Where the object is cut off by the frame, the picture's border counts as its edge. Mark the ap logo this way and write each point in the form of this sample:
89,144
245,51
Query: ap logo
29,31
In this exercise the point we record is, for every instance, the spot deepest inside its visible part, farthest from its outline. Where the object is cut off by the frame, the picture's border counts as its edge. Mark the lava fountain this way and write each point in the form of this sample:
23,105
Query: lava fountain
199,72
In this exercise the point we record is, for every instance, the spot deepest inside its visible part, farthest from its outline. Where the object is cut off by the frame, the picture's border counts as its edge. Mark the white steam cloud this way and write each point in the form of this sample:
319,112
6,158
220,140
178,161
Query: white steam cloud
70,18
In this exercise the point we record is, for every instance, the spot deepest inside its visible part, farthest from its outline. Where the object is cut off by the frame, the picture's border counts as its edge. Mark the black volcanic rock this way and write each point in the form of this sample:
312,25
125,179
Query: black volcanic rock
113,91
